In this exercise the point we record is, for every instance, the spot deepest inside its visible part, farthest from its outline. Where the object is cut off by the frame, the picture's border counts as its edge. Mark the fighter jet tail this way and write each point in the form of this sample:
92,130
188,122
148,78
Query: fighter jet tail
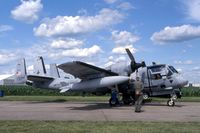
21,74
39,67
54,71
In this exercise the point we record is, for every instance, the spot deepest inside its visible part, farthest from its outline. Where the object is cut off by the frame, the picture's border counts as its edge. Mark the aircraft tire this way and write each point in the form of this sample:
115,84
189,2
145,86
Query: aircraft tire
113,103
145,96
170,103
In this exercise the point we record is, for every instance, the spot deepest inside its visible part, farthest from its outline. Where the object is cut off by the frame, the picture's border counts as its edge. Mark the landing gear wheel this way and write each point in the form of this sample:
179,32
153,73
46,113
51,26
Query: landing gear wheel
145,96
113,102
170,103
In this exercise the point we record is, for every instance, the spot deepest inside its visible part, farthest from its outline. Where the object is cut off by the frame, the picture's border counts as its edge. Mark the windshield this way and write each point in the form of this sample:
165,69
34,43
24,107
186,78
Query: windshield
157,68
173,69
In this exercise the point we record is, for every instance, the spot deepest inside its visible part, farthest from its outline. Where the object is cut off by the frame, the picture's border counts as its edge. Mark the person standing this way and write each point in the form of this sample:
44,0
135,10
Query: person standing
138,94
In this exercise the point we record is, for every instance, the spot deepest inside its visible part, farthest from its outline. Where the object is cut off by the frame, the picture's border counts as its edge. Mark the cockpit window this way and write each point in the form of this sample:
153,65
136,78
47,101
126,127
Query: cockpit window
173,69
157,68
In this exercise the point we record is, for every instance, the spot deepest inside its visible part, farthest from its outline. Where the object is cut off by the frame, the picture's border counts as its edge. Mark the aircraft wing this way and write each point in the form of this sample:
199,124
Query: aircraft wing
85,71
39,78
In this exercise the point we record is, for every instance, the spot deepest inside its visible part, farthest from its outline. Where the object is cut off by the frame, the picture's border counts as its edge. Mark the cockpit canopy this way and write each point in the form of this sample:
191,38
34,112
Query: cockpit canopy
160,71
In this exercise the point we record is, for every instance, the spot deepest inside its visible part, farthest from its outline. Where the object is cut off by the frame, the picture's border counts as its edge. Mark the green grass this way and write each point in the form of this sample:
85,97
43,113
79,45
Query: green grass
81,98
97,127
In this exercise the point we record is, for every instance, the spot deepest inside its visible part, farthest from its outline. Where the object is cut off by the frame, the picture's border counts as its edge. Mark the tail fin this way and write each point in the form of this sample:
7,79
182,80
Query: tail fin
20,75
39,67
54,71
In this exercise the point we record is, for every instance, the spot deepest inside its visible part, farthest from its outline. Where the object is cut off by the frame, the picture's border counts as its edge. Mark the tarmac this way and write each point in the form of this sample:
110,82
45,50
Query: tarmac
92,111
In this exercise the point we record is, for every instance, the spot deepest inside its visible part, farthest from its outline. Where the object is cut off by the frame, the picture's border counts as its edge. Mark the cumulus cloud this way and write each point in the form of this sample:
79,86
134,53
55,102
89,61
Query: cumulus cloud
6,57
66,43
192,9
187,62
125,6
78,52
121,49
4,28
124,38
28,11
73,25
197,68
113,60
176,34
110,1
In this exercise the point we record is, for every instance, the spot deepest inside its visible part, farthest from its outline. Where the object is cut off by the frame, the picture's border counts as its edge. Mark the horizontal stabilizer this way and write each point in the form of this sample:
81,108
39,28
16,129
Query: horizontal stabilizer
37,78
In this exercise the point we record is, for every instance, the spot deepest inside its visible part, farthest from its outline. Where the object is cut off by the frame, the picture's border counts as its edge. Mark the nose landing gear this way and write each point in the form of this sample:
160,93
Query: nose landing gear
171,101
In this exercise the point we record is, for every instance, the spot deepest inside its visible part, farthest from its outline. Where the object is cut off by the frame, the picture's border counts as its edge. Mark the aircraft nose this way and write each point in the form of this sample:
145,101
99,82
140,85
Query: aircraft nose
183,82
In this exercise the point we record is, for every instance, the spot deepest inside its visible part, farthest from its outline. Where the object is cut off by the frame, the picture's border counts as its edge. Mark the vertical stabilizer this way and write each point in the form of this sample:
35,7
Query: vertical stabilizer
54,71
39,67
20,75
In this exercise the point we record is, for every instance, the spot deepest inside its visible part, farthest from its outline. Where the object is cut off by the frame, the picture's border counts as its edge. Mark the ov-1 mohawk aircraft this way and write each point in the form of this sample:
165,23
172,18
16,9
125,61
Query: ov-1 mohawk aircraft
159,80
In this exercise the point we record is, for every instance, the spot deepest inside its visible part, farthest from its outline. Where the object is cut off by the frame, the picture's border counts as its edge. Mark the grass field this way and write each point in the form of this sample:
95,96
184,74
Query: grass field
98,127
81,99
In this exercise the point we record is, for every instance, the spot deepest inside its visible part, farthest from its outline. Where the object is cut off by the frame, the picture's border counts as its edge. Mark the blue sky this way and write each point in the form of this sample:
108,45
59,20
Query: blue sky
97,31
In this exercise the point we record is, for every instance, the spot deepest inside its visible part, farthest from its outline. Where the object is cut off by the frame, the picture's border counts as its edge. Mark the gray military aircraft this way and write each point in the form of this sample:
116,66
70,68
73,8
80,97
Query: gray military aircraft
159,80
40,79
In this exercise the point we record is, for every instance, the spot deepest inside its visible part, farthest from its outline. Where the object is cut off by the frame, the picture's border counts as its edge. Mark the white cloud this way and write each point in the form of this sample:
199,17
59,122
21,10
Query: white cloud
192,9
176,34
197,68
121,49
28,11
6,57
4,28
187,62
125,6
66,43
113,60
124,38
78,52
179,70
110,1
73,25
30,69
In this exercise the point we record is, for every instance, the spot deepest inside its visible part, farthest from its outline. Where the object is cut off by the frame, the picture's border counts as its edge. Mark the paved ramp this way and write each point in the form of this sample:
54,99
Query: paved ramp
89,111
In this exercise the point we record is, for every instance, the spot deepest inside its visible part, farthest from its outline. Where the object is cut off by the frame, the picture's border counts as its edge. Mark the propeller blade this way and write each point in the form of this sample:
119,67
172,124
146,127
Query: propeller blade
130,55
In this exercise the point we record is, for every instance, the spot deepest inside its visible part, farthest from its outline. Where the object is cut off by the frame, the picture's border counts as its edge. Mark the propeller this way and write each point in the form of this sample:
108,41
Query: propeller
134,65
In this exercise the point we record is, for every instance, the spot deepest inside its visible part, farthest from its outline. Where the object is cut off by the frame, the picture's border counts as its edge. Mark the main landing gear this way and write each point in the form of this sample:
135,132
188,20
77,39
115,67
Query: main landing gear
114,100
